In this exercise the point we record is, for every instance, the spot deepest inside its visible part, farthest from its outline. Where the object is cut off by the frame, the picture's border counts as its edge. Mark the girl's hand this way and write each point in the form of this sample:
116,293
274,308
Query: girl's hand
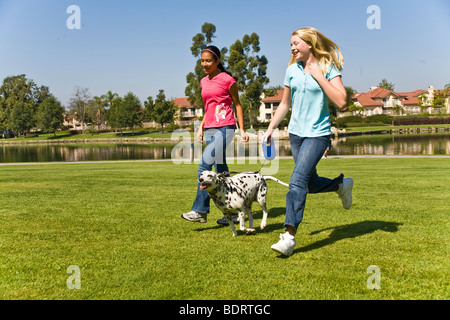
315,70
244,136
199,135
267,136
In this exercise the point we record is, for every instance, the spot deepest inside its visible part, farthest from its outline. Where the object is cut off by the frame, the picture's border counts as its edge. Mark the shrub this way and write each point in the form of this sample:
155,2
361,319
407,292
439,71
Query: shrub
342,122
383,118
421,121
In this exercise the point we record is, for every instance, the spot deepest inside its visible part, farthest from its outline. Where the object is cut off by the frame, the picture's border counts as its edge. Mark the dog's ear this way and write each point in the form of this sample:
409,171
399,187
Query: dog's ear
222,176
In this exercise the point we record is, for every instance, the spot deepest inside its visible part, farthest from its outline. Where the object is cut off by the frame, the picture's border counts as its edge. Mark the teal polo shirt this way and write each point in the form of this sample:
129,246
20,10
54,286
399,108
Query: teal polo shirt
310,115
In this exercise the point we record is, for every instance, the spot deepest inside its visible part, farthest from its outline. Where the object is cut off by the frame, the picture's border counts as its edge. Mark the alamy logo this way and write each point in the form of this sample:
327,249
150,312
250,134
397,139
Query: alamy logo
74,20
374,281
74,280
188,152
374,20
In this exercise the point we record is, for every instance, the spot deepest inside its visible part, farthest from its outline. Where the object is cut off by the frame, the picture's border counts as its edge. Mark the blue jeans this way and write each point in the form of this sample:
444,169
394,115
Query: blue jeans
217,140
307,153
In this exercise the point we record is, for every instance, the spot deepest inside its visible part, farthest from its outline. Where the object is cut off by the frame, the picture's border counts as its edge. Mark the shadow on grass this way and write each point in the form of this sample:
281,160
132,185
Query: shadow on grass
273,212
349,231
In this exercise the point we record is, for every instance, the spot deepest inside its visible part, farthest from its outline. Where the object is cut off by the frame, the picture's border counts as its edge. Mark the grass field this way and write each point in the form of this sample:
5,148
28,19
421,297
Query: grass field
120,224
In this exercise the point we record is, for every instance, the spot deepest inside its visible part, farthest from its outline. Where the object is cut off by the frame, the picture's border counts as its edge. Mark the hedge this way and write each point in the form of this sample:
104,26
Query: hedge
421,121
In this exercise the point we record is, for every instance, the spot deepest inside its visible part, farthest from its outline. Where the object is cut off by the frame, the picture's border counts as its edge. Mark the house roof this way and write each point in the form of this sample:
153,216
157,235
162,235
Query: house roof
276,98
411,98
379,93
182,102
372,98
366,101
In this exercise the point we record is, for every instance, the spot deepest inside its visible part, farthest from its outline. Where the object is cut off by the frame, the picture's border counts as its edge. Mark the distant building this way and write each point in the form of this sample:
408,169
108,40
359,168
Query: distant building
71,123
187,112
383,101
269,105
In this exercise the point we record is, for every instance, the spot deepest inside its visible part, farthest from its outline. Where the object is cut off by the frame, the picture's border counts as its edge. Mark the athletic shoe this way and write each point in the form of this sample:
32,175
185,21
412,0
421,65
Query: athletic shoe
224,220
286,244
345,192
194,216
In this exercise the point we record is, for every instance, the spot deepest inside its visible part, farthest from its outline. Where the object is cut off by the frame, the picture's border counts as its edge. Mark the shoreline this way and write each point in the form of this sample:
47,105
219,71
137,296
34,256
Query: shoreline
283,135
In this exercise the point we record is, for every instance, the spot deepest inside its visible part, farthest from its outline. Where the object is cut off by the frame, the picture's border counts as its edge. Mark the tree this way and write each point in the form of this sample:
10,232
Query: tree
96,110
439,99
350,92
78,105
19,89
109,97
384,84
49,116
160,110
22,117
272,91
125,113
436,99
354,108
251,69
398,109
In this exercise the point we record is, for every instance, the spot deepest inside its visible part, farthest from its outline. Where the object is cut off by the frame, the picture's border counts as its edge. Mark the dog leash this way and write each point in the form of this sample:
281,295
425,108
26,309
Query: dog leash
269,155
228,173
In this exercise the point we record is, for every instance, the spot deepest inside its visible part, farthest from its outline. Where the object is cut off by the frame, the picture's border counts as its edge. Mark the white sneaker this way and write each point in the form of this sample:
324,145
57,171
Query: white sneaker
345,192
286,244
194,216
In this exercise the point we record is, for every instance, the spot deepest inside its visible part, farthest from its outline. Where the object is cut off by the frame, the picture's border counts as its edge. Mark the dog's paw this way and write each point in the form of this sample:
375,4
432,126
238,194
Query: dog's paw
250,231
262,226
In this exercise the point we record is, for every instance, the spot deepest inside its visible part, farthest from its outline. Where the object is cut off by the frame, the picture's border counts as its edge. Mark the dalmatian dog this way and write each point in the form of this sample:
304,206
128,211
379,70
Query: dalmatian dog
236,195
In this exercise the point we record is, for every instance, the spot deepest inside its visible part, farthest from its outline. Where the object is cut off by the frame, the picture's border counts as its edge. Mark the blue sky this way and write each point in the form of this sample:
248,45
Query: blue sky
143,46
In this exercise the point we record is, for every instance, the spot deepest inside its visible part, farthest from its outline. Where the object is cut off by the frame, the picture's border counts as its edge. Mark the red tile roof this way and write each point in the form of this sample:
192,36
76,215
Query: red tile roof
411,98
379,93
368,99
182,102
276,98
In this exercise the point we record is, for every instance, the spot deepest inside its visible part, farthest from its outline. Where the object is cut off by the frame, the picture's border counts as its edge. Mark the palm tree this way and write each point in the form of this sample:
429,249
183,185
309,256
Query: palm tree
100,104
109,98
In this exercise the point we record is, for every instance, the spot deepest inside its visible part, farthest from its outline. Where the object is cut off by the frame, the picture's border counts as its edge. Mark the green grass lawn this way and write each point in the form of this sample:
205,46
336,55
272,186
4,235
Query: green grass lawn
120,223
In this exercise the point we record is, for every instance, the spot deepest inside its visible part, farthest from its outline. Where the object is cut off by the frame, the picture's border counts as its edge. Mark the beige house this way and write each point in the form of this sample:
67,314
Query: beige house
187,112
71,123
383,101
269,105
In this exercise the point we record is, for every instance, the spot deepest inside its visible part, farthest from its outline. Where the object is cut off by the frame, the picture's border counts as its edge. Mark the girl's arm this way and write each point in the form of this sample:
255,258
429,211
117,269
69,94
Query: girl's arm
239,113
281,111
199,136
334,88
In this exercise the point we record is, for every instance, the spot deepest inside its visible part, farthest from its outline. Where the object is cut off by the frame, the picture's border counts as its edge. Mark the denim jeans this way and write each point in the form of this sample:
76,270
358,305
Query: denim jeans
217,140
307,153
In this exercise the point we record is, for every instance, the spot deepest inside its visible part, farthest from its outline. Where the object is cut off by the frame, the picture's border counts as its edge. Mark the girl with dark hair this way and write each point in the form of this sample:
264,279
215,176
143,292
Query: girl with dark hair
219,92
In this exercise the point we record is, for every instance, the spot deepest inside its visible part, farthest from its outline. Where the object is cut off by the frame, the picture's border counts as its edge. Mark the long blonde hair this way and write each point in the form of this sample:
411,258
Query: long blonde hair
325,50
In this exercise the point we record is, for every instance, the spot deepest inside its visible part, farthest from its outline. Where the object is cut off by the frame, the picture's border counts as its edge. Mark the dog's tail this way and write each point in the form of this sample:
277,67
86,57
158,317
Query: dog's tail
276,180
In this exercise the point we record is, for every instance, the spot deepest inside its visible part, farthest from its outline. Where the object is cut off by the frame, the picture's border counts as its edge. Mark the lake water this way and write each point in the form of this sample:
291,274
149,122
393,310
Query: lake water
405,144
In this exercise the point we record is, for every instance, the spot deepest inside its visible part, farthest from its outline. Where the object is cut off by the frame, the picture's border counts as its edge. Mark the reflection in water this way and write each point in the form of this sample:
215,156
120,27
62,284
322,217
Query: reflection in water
423,144
409,144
